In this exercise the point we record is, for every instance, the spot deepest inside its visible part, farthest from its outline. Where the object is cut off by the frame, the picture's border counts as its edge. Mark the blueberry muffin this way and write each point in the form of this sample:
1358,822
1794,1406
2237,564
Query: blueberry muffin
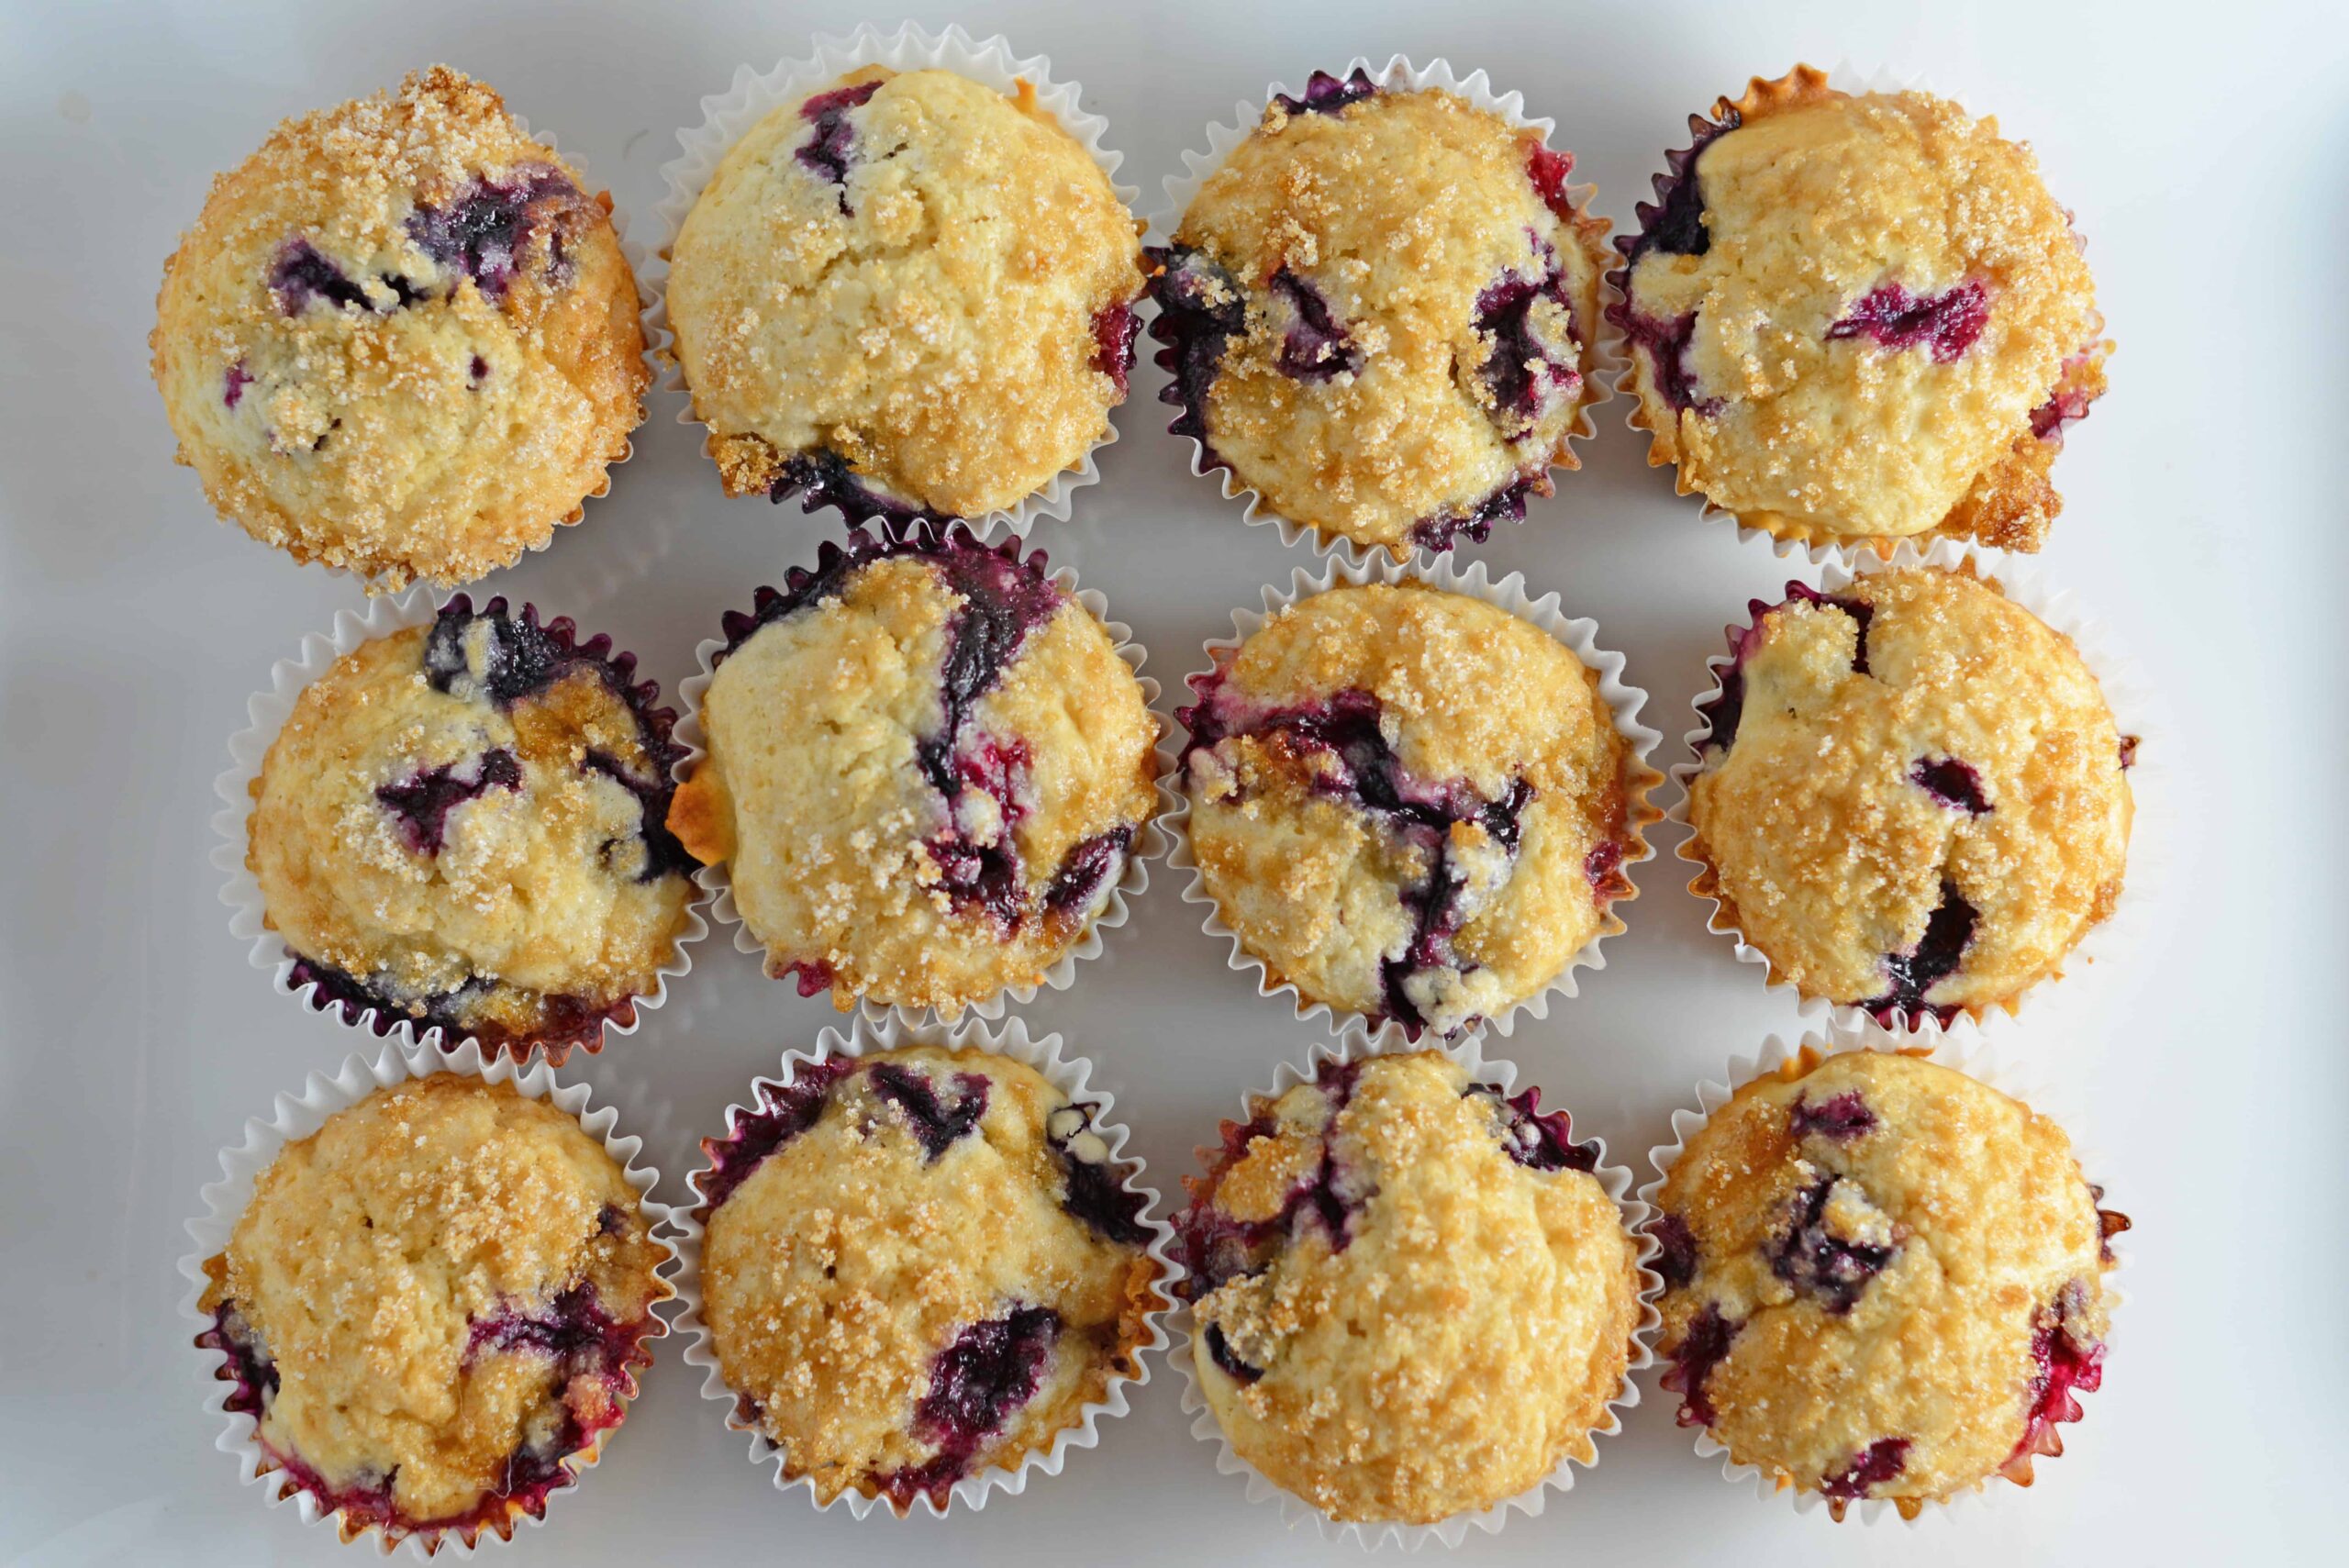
1859,318
1382,315
464,826
1410,803
402,339
435,1307
905,295
1412,1298
1911,796
1882,1279
919,1265
928,769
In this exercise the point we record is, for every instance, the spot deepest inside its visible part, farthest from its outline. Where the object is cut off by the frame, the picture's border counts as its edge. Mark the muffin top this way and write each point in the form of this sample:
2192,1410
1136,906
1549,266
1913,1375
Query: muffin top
1381,313
402,339
919,1264
434,1301
927,767
463,824
1410,802
1913,797
905,294
1860,318
1413,1298
1883,1279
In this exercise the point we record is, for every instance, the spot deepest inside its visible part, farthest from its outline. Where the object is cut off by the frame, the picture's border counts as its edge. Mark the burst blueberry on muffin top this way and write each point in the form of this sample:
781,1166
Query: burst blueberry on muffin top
928,769
918,1265
905,293
1410,803
464,824
1883,1279
1411,1297
1912,796
402,339
435,1307
1859,317
1381,313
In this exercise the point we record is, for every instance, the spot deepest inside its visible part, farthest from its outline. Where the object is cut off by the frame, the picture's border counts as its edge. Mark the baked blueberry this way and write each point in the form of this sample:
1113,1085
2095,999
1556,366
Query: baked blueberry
402,338
464,826
1412,1297
904,296
1884,1279
1410,803
435,1308
1859,318
1911,796
928,768
1381,315
918,1265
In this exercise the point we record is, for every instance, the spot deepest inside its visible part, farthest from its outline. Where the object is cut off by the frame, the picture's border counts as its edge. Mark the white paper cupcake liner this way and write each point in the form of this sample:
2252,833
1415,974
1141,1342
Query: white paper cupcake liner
1066,1072
726,117
1843,78
1356,1043
1580,636
2124,692
267,711
1149,841
295,1117
1397,73
1961,1046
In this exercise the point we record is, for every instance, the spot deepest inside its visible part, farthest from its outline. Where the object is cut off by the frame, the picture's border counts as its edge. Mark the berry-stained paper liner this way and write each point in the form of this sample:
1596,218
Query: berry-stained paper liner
1149,843
267,711
726,117
297,1116
1703,129
2124,692
1355,1043
1581,639
1397,73
1963,1047
1066,1072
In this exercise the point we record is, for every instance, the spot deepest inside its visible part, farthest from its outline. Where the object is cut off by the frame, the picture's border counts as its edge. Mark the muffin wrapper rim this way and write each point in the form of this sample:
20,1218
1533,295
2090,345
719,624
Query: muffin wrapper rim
1150,842
1844,77
1223,135
1961,1046
1355,1044
1065,1071
2125,692
726,115
1511,594
267,711
296,1115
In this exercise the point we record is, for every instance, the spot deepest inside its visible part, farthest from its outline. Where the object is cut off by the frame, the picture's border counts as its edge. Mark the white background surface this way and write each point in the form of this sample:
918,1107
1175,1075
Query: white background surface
2207,155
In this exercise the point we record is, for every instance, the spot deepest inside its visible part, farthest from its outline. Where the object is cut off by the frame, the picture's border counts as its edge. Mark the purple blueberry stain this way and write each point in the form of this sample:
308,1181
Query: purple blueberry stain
1881,1460
1665,344
1523,372
1938,954
1220,1351
1090,866
233,389
823,478
979,1382
1201,309
829,151
1676,1256
1838,1118
1808,1254
1327,94
486,232
1504,504
422,801
573,1330
1674,223
478,372
664,855
1315,345
1947,323
1725,710
1095,1191
301,275
1700,1351
1114,326
1218,1248
1536,1140
1951,782
938,1111
2063,1363
785,1111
